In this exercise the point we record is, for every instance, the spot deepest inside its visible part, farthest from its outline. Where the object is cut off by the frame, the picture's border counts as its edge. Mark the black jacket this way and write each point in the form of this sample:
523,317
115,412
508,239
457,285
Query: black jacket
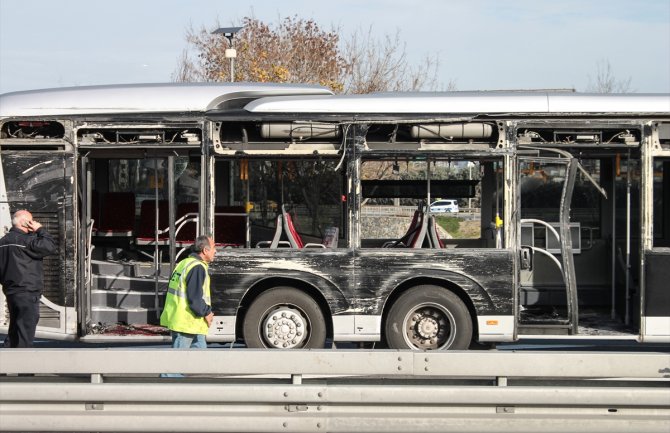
21,260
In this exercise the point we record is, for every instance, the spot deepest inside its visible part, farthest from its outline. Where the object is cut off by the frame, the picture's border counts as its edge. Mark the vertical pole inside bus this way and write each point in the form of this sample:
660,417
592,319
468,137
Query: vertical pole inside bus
628,234
171,214
88,222
427,187
613,235
156,220
157,263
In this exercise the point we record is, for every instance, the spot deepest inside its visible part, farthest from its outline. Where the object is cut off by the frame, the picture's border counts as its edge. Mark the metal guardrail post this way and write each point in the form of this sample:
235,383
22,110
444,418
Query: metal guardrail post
96,378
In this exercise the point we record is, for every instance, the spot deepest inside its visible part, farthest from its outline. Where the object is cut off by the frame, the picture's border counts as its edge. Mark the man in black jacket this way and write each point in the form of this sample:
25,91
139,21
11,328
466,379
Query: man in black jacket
21,253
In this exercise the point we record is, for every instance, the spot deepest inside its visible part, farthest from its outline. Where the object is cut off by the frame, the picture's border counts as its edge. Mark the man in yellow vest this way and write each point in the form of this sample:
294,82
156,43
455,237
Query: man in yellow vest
188,306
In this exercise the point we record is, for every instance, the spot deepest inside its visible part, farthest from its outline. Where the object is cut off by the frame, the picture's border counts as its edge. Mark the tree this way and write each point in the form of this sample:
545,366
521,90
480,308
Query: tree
299,51
382,65
606,82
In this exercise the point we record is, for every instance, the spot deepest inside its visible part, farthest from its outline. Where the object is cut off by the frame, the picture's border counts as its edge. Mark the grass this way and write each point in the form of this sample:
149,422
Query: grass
459,228
450,224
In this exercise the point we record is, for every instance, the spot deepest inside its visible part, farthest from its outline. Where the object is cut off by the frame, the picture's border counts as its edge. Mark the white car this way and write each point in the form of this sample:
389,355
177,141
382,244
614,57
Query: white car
444,206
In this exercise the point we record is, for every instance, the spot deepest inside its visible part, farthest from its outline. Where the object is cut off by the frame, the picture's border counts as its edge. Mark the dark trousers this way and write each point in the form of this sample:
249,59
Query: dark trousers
24,313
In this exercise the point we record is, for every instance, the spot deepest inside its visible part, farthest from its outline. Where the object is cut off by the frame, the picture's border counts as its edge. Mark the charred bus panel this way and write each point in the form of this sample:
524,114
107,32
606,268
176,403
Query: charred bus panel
37,173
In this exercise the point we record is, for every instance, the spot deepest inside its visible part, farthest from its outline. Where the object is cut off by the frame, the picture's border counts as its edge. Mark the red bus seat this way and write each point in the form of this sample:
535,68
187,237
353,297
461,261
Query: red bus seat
230,226
415,235
292,234
117,215
433,235
275,242
147,231
419,234
95,210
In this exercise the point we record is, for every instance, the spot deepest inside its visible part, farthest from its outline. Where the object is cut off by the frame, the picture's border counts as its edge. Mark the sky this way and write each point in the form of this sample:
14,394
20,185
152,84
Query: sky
479,44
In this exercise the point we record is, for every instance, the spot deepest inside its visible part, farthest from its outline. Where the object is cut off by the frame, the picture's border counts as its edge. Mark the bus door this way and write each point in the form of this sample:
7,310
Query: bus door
141,216
655,321
548,242
40,180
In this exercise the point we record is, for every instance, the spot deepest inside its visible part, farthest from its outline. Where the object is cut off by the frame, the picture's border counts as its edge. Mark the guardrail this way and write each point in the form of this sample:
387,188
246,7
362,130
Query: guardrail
316,390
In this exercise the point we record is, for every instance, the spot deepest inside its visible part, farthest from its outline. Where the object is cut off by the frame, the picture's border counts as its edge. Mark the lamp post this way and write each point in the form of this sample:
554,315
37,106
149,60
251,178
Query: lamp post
230,53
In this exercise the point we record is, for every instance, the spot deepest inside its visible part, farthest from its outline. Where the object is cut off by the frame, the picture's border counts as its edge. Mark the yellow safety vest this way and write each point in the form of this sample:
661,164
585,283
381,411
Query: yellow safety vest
177,316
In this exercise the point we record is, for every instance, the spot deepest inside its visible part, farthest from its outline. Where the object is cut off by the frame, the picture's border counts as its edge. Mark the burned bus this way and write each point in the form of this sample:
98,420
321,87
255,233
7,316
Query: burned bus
321,207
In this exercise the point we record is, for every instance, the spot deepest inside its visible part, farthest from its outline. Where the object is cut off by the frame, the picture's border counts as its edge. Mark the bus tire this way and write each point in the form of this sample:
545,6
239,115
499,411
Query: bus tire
428,318
284,318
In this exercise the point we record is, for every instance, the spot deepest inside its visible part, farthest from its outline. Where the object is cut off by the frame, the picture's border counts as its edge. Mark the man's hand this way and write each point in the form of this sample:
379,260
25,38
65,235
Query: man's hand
33,225
209,318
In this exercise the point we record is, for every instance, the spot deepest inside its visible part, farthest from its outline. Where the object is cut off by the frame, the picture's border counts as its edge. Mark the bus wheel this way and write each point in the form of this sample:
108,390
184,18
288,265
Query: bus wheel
284,318
428,318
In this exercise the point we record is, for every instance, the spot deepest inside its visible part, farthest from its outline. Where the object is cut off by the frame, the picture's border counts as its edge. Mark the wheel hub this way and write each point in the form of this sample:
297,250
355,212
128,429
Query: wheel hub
429,326
284,328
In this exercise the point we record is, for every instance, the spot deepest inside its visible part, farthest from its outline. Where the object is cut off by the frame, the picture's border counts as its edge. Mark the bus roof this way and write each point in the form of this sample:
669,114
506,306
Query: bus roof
465,102
141,98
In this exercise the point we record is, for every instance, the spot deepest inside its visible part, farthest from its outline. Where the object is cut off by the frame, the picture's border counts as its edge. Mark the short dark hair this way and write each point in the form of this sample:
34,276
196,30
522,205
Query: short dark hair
200,243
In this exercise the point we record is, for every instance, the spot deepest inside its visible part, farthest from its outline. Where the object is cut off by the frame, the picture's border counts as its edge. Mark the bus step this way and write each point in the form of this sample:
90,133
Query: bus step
120,282
544,329
128,268
125,299
142,269
123,315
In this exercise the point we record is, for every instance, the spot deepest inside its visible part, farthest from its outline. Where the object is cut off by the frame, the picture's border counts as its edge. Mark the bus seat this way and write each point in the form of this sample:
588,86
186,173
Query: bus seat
409,239
433,236
95,210
419,236
230,226
117,215
275,242
292,234
146,234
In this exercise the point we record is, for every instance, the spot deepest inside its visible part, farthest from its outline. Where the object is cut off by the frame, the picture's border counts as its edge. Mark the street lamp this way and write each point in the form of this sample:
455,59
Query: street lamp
230,53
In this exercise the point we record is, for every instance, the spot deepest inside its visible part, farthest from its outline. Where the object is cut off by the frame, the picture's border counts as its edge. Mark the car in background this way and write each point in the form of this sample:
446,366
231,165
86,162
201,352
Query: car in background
444,206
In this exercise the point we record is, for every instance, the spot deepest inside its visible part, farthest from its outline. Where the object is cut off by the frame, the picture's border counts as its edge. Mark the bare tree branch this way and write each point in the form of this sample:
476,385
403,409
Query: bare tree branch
382,65
186,71
606,82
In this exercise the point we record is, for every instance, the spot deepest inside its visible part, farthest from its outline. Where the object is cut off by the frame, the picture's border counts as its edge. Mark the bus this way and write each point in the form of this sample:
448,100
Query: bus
321,207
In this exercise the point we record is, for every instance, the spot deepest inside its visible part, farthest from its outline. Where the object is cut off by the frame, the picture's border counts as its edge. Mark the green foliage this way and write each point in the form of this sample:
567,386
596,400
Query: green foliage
460,228
450,224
